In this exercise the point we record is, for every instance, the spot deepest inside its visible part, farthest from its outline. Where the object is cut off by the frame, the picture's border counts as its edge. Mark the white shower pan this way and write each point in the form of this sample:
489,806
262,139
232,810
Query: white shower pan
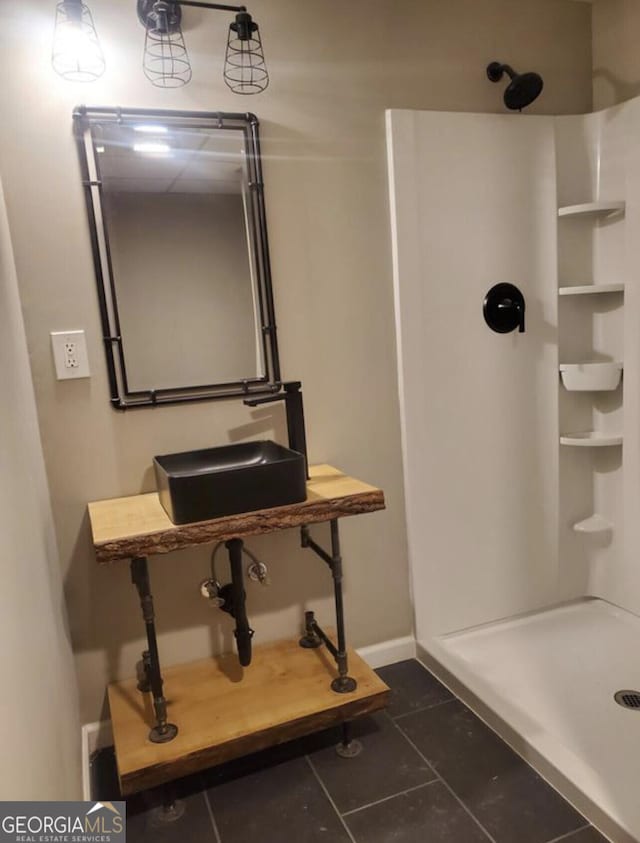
546,681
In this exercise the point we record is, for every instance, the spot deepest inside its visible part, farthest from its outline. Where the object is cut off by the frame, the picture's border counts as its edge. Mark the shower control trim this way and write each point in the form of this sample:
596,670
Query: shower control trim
504,309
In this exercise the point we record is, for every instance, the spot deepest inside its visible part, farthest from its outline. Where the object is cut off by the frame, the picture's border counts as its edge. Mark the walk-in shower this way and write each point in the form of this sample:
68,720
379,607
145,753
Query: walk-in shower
522,503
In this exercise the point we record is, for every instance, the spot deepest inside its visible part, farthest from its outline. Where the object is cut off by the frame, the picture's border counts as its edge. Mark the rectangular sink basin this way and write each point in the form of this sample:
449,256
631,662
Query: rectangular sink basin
212,483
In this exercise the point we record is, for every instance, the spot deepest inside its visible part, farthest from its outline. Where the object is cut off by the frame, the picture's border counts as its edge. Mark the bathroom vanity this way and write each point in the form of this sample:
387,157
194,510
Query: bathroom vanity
214,710
177,223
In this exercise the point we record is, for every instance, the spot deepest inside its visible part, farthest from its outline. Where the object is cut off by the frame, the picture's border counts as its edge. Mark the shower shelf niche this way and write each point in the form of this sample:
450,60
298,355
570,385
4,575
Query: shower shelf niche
588,289
591,377
594,524
591,439
603,209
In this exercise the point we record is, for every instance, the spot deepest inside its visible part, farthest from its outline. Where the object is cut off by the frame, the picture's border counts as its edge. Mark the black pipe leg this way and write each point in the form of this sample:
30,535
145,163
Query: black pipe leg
348,747
162,731
169,811
343,683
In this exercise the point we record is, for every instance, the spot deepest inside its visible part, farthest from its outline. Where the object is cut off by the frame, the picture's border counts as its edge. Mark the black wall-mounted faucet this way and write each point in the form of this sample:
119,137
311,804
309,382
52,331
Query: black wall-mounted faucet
292,397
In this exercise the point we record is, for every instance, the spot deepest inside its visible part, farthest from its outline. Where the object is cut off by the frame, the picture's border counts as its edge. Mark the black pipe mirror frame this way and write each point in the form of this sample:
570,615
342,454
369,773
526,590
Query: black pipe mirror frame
122,398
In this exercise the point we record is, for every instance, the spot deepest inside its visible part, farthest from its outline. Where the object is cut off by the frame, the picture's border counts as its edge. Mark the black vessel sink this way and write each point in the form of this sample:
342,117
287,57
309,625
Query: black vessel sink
200,485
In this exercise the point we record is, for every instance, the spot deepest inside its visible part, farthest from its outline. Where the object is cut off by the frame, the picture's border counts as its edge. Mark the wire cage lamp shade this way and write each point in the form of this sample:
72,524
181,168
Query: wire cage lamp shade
76,55
165,60
245,70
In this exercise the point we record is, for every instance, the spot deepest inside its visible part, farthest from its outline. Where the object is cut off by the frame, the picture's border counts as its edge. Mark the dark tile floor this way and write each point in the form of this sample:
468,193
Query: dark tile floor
430,771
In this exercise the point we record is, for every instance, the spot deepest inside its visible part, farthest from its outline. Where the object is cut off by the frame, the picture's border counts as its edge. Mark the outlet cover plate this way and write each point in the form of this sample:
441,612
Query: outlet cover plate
70,354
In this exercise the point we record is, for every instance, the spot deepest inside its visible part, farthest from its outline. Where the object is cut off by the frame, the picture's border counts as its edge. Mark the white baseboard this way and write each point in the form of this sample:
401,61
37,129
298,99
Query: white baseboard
99,735
389,652
94,736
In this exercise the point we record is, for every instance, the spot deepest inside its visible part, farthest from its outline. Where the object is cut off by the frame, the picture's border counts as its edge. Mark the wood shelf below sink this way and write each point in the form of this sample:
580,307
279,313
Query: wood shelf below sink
284,694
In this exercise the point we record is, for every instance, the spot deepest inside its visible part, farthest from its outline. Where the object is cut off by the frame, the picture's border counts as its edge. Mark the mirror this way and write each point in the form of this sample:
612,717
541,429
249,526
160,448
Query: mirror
178,230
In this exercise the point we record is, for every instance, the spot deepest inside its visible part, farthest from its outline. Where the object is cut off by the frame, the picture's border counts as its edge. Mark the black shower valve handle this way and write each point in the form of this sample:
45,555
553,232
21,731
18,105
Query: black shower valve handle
509,304
519,306
504,309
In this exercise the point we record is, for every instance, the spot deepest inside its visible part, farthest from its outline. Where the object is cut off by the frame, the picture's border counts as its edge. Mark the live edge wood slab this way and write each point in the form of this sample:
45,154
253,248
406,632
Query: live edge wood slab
124,528
224,711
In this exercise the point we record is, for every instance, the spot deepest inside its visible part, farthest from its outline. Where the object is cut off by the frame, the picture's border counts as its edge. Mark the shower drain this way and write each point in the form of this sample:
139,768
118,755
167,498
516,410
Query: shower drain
628,699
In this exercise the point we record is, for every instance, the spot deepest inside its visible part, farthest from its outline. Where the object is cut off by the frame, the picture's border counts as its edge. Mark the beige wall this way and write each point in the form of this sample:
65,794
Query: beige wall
40,756
334,68
616,59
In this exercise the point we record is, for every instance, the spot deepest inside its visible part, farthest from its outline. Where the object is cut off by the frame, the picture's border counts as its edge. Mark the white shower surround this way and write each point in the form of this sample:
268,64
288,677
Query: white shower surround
491,495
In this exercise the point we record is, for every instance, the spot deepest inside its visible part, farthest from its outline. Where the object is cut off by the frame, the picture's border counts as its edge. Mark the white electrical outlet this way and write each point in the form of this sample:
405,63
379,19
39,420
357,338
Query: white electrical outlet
70,354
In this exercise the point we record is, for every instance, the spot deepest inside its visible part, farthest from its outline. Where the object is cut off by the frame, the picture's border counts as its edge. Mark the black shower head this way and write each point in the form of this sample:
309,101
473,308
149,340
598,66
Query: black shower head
523,88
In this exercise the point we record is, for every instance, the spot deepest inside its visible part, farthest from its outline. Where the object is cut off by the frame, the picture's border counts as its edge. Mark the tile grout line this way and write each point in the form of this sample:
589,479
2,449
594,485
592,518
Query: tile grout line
387,798
569,834
216,831
419,710
331,802
446,785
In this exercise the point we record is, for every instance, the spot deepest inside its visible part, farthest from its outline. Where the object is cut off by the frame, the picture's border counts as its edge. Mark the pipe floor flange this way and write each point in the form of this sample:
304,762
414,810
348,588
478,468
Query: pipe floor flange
349,750
343,685
166,814
163,734
310,642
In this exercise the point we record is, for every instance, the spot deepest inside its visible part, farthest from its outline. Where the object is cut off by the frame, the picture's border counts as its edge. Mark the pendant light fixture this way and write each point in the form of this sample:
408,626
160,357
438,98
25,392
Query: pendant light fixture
77,55
245,70
165,60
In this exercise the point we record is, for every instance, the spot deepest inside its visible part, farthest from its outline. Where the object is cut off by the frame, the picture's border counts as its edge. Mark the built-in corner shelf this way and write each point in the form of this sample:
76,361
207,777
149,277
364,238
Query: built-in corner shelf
591,209
594,524
591,439
590,377
589,289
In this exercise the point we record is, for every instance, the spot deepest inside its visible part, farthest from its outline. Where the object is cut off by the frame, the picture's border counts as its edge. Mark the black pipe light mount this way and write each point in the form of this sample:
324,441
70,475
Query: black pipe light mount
166,60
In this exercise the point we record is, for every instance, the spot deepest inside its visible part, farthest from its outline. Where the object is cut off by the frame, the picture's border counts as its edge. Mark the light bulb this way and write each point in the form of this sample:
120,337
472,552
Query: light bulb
150,128
77,55
152,148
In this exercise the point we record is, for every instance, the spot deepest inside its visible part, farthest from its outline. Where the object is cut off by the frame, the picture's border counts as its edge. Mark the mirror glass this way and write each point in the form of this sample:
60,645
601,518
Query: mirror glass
177,208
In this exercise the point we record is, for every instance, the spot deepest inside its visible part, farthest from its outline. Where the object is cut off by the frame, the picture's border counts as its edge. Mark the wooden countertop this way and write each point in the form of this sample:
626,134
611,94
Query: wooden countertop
124,528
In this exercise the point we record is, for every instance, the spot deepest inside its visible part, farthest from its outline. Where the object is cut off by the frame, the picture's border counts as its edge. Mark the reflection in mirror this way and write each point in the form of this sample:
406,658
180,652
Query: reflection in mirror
175,209
177,214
